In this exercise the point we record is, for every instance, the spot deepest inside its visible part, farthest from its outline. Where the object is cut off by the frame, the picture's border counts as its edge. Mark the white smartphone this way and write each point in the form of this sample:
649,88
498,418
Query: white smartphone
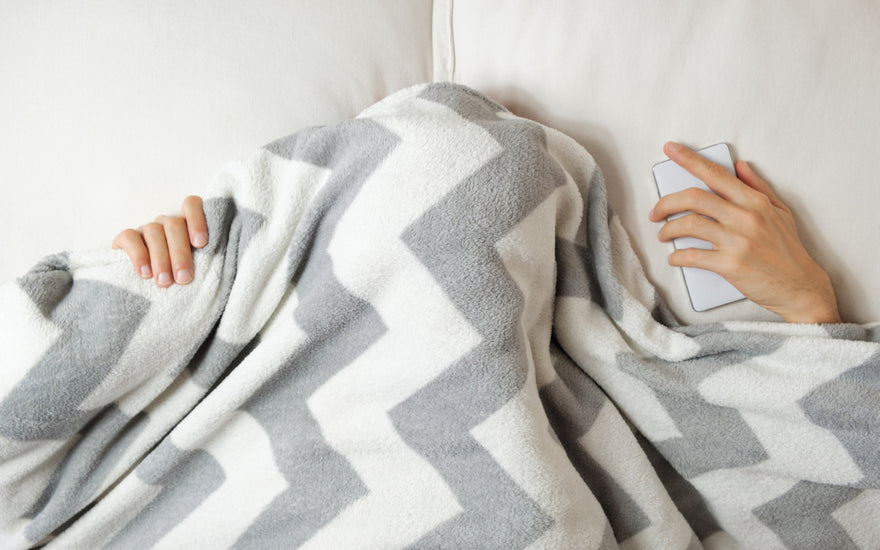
706,288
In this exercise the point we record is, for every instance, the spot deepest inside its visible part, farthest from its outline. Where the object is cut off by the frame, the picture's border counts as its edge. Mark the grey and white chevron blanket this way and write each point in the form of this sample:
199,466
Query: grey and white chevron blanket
422,327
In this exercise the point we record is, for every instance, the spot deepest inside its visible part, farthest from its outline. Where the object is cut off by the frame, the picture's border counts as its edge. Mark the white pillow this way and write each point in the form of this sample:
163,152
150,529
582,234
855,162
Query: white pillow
794,87
112,112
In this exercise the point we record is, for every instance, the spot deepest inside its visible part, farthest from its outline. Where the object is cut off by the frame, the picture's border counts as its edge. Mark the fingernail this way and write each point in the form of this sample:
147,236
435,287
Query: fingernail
184,276
145,272
164,278
200,240
672,146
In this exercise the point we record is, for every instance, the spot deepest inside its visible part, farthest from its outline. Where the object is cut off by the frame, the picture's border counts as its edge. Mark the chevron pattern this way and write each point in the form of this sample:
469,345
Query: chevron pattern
422,327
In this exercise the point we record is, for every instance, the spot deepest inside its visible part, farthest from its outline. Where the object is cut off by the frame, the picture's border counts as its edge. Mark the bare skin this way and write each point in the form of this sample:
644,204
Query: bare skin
161,250
756,246
755,241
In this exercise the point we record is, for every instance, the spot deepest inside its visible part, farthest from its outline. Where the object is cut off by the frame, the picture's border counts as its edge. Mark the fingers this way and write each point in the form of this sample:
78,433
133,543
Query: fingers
745,188
745,173
161,250
755,243
714,175
178,251
160,259
694,257
133,243
691,200
194,214
693,225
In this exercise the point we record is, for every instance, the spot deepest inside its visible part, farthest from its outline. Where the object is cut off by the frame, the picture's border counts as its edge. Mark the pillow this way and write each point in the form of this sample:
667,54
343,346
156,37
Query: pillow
792,86
113,112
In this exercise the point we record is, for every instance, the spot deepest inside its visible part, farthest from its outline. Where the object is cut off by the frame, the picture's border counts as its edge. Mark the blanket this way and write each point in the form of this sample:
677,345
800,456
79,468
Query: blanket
422,327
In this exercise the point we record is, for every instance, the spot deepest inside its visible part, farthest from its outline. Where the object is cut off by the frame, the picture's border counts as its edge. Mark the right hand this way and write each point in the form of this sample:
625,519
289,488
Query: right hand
161,250
755,242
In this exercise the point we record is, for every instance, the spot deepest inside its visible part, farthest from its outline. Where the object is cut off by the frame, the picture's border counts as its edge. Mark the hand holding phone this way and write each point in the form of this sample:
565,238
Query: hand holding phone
707,289
755,242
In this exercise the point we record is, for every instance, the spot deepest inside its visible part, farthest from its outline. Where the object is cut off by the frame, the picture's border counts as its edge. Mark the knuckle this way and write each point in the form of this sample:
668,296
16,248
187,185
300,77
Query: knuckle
152,228
752,220
691,223
743,249
127,235
660,208
693,195
716,169
175,223
729,265
180,254
687,256
193,201
763,203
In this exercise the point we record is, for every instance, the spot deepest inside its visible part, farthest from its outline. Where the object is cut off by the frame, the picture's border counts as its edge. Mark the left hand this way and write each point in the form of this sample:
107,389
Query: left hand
161,250
755,242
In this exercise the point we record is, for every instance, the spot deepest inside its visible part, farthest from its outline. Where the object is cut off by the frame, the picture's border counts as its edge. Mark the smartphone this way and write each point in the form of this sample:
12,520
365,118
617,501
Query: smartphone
706,289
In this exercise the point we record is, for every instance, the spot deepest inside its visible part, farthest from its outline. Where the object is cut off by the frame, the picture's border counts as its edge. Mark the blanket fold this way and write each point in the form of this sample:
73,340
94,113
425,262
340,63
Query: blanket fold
422,327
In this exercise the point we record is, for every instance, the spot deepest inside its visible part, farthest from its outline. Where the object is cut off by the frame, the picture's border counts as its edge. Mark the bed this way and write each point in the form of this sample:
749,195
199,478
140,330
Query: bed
113,113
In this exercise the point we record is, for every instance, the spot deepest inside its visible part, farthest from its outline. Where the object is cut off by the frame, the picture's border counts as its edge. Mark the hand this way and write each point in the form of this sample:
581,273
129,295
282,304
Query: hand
755,242
161,249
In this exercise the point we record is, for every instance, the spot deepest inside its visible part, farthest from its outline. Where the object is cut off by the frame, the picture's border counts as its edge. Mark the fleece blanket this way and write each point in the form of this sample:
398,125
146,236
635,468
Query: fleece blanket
423,327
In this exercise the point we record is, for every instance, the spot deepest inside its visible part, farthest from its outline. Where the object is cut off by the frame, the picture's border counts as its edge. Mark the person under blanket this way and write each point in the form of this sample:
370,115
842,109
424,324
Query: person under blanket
756,246
425,327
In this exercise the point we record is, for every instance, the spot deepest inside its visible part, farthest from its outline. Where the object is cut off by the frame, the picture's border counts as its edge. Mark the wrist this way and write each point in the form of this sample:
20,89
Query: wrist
818,305
814,316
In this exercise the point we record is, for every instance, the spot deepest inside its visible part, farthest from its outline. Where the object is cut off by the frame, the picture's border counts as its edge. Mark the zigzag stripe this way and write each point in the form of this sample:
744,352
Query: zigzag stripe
340,327
79,362
406,357
437,420
852,391
802,516
232,229
63,378
713,436
187,478
573,402
250,484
